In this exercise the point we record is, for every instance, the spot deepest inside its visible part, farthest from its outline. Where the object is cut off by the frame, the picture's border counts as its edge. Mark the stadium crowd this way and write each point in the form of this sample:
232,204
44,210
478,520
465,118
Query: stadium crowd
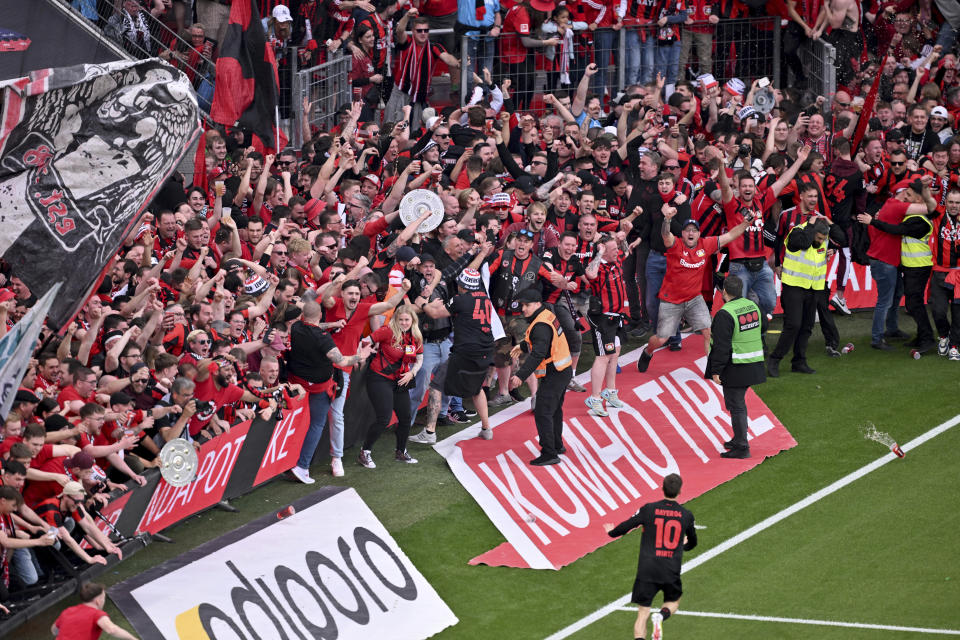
279,275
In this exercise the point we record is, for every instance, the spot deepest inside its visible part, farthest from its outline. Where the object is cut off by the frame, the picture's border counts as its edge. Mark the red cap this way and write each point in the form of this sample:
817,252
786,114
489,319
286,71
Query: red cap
6,294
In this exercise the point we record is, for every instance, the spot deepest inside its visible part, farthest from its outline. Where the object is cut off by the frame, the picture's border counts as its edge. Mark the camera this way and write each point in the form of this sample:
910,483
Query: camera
744,150
204,406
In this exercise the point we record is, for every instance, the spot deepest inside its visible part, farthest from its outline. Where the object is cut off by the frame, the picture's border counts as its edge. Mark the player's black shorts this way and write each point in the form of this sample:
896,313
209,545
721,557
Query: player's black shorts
606,333
644,592
461,376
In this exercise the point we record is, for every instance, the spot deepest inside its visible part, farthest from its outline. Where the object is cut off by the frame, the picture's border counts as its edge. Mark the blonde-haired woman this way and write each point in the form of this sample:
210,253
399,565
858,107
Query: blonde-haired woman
396,363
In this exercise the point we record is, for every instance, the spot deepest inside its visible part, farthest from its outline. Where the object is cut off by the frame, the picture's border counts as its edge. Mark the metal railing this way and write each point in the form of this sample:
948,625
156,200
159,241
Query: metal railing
820,63
160,40
327,88
745,48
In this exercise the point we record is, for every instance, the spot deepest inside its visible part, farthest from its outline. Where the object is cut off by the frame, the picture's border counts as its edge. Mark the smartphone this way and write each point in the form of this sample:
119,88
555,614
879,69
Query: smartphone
763,82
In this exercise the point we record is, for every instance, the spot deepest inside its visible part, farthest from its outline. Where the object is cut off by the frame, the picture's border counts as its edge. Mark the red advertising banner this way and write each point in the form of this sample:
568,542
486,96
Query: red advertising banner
215,460
674,422
284,448
111,512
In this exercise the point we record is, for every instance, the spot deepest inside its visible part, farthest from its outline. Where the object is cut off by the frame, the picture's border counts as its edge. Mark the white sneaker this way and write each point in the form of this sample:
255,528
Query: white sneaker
486,434
954,354
596,407
610,395
403,456
657,620
424,437
840,304
366,459
336,467
943,347
303,475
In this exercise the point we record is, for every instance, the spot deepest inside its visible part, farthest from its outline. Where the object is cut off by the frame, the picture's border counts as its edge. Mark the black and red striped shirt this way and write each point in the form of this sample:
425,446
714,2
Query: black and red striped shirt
611,287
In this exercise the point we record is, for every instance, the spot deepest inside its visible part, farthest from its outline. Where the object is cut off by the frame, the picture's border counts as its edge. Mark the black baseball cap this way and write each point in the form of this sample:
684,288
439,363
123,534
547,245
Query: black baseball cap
529,296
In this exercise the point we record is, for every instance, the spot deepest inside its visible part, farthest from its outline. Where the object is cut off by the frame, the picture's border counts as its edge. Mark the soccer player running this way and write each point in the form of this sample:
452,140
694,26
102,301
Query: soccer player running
680,293
668,531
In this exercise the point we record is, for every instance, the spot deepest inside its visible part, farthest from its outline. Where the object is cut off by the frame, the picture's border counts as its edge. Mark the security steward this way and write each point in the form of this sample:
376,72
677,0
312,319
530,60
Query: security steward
804,274
736,359
548,356
916,264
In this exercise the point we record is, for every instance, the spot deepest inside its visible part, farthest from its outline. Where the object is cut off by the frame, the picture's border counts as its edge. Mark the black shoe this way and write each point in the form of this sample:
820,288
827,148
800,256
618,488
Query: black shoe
639,331
643,363
470,413
740,452
832,352
896,335
443,421
912,343
516,395
543,460
929,345
773,368
803,367
728,445
562,450
883,345
674,346
458,417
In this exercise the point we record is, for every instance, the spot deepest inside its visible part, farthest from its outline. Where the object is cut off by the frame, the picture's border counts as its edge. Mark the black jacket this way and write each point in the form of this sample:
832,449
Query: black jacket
720,359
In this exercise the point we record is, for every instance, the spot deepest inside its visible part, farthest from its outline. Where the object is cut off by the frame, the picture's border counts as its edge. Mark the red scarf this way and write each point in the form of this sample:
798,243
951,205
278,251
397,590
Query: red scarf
410,71
668,197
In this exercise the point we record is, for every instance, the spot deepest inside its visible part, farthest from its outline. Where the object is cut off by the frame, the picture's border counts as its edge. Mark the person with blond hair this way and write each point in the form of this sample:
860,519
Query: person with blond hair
398,359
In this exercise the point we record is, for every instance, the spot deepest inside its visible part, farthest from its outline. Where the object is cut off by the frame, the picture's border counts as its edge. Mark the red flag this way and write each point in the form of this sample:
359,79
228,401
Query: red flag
245,93
200,163
866,111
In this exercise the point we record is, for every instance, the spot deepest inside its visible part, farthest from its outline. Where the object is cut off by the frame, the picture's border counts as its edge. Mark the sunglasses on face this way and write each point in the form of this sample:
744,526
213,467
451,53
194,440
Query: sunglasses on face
897,164
422,30
444,136
279,253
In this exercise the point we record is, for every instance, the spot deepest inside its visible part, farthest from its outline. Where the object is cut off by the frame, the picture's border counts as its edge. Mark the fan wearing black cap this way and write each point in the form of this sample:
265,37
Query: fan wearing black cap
679,295
511,272
548,357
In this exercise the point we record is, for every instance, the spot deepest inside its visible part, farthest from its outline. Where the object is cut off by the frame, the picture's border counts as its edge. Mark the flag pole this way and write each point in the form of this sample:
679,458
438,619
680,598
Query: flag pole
276,118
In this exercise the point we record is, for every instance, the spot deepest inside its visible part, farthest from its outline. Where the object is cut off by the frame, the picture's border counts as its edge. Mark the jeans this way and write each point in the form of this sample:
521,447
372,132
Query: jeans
319,407
434,353
23,565
480,50
947,36
760,282
668,61
641,57
602,49
889,290
336,419
655,271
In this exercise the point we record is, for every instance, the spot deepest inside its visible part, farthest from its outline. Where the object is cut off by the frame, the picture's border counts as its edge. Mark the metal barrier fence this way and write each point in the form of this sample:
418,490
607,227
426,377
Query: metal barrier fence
819,59
746,48
159,40
327,88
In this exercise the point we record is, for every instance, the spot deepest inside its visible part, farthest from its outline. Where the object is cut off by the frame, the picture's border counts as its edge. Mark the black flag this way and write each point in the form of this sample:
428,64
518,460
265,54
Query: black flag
82,151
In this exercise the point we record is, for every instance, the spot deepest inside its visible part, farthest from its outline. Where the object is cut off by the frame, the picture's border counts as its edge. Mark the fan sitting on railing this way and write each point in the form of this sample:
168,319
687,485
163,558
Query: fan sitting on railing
129,28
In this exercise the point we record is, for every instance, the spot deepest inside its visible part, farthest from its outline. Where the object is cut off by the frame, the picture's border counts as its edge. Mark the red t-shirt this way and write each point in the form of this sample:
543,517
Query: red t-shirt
34,491
70,394
348,338
515,25
393,361
79,622
884,246
206,391
685,268
750,245
43,388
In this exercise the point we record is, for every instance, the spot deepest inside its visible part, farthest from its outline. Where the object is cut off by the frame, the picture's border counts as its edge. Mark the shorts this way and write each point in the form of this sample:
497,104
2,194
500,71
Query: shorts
607,333
694,311
461,376
515,328
644,592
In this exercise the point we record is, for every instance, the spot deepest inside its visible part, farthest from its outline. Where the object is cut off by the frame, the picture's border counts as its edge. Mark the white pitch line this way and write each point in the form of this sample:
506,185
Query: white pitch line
821,623
763,525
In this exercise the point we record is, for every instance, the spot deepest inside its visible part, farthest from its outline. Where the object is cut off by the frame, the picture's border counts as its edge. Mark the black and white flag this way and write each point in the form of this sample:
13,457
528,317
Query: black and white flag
82,151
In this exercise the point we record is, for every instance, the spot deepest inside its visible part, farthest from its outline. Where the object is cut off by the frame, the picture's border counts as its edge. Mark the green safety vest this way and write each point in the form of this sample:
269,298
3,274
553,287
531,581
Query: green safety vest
747,343
916,252
805,269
